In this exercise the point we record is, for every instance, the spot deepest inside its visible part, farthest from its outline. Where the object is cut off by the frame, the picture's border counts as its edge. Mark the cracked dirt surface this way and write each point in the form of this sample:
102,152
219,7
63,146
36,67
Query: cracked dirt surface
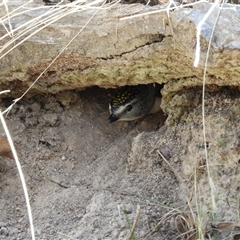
113,50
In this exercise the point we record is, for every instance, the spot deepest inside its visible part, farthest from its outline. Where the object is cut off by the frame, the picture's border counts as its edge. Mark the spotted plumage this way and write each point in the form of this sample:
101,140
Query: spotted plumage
133,102
127,94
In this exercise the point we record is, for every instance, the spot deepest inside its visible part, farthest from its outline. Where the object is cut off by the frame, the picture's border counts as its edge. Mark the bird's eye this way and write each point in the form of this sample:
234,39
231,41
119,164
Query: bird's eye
129,108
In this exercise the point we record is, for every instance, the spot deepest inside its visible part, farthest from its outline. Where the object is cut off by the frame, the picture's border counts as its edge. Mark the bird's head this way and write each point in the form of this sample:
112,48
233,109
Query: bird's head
130,103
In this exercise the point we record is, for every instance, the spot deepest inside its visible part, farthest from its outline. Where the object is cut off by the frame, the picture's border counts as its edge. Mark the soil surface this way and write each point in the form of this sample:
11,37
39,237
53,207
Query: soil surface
110,178
67,138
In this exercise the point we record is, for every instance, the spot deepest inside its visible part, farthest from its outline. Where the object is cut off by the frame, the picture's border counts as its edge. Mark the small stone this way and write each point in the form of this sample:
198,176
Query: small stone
3,231
13,231
3,224
50,119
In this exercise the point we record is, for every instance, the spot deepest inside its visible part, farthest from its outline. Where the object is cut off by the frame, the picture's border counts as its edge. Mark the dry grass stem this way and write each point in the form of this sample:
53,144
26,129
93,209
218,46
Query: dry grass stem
135,222
165,9
14,153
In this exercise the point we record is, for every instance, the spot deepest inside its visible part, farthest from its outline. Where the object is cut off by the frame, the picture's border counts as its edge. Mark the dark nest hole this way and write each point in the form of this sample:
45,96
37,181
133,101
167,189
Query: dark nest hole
93,101
97,99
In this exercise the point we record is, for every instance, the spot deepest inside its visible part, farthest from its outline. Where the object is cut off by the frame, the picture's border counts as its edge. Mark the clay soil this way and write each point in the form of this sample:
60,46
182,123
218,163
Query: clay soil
67,138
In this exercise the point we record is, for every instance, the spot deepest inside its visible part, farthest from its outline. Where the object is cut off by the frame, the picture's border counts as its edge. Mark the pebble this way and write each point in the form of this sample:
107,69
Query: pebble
3,231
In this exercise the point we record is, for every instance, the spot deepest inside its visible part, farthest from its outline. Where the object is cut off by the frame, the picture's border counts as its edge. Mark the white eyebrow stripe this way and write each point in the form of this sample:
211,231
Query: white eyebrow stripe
110,108
120,110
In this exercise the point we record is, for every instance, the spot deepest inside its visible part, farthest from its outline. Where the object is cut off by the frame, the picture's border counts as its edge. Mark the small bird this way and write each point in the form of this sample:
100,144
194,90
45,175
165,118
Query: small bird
134,102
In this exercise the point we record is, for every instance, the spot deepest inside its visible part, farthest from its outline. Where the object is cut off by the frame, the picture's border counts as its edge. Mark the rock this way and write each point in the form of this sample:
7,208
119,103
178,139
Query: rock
3,231
50,119
138,52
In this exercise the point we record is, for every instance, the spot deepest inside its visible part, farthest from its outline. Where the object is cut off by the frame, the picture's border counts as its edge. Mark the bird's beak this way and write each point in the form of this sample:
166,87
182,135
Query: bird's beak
112,118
